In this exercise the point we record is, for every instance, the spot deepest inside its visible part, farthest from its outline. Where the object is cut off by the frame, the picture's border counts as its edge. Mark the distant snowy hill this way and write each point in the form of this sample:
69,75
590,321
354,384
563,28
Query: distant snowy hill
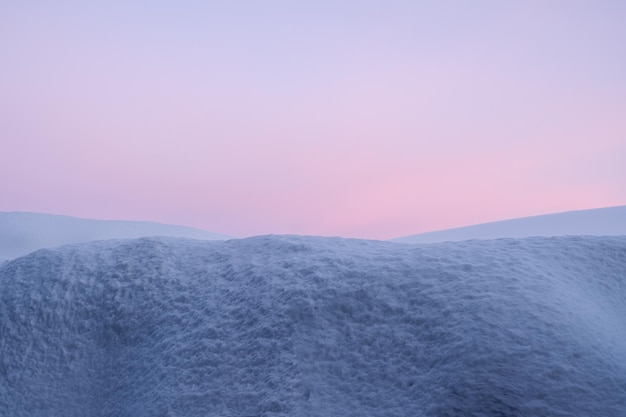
610,221
295,326
22,233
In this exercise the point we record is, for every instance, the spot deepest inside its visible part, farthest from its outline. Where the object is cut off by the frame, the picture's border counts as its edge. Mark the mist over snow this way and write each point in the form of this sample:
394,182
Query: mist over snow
607,221
303,326
22,233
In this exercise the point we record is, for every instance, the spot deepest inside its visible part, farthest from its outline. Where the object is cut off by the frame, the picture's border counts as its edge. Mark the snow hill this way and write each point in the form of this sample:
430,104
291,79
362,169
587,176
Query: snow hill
610,221
22,233
302,326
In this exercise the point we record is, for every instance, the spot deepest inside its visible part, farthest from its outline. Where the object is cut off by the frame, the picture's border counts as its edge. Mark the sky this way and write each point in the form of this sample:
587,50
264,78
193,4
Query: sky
369,119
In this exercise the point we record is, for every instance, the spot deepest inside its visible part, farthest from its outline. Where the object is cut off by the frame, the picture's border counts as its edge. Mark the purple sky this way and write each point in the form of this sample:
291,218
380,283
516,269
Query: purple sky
372,119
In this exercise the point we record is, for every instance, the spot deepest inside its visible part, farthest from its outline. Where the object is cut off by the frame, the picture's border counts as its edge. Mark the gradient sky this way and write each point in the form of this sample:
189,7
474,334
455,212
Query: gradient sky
372,119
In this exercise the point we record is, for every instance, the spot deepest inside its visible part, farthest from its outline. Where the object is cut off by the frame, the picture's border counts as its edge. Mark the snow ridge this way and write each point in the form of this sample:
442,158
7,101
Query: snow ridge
606,221
22,233
303,326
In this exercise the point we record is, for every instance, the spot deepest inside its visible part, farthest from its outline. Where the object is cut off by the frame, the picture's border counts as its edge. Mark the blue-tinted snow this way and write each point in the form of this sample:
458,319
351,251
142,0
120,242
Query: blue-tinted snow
295,326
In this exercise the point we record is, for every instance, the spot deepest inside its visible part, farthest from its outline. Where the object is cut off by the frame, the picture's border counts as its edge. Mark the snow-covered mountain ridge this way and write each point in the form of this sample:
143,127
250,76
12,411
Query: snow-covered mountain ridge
607,221
22,233
301,326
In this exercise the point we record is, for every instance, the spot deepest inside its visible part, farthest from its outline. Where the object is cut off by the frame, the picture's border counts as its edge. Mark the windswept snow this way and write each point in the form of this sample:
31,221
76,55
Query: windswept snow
22,233
609,221
295,326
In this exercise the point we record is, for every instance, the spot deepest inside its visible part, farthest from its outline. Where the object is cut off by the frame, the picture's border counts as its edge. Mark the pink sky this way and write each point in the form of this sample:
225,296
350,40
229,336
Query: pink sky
352,118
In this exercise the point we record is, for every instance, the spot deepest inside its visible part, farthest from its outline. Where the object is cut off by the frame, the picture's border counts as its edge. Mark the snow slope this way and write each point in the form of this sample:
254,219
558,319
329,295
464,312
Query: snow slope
22,233
609,221
295,326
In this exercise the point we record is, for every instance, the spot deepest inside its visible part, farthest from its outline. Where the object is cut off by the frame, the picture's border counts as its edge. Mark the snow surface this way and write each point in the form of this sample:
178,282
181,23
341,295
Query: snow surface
22,233
302,326
609,221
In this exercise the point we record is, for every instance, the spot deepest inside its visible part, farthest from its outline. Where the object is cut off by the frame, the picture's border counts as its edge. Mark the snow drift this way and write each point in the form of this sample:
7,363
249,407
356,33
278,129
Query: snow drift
22,233
607,221
294,326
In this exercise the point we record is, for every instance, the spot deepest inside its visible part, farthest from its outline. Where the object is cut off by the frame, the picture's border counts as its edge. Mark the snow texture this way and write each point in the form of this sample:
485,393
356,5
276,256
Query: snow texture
302,326
22,233
609,221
